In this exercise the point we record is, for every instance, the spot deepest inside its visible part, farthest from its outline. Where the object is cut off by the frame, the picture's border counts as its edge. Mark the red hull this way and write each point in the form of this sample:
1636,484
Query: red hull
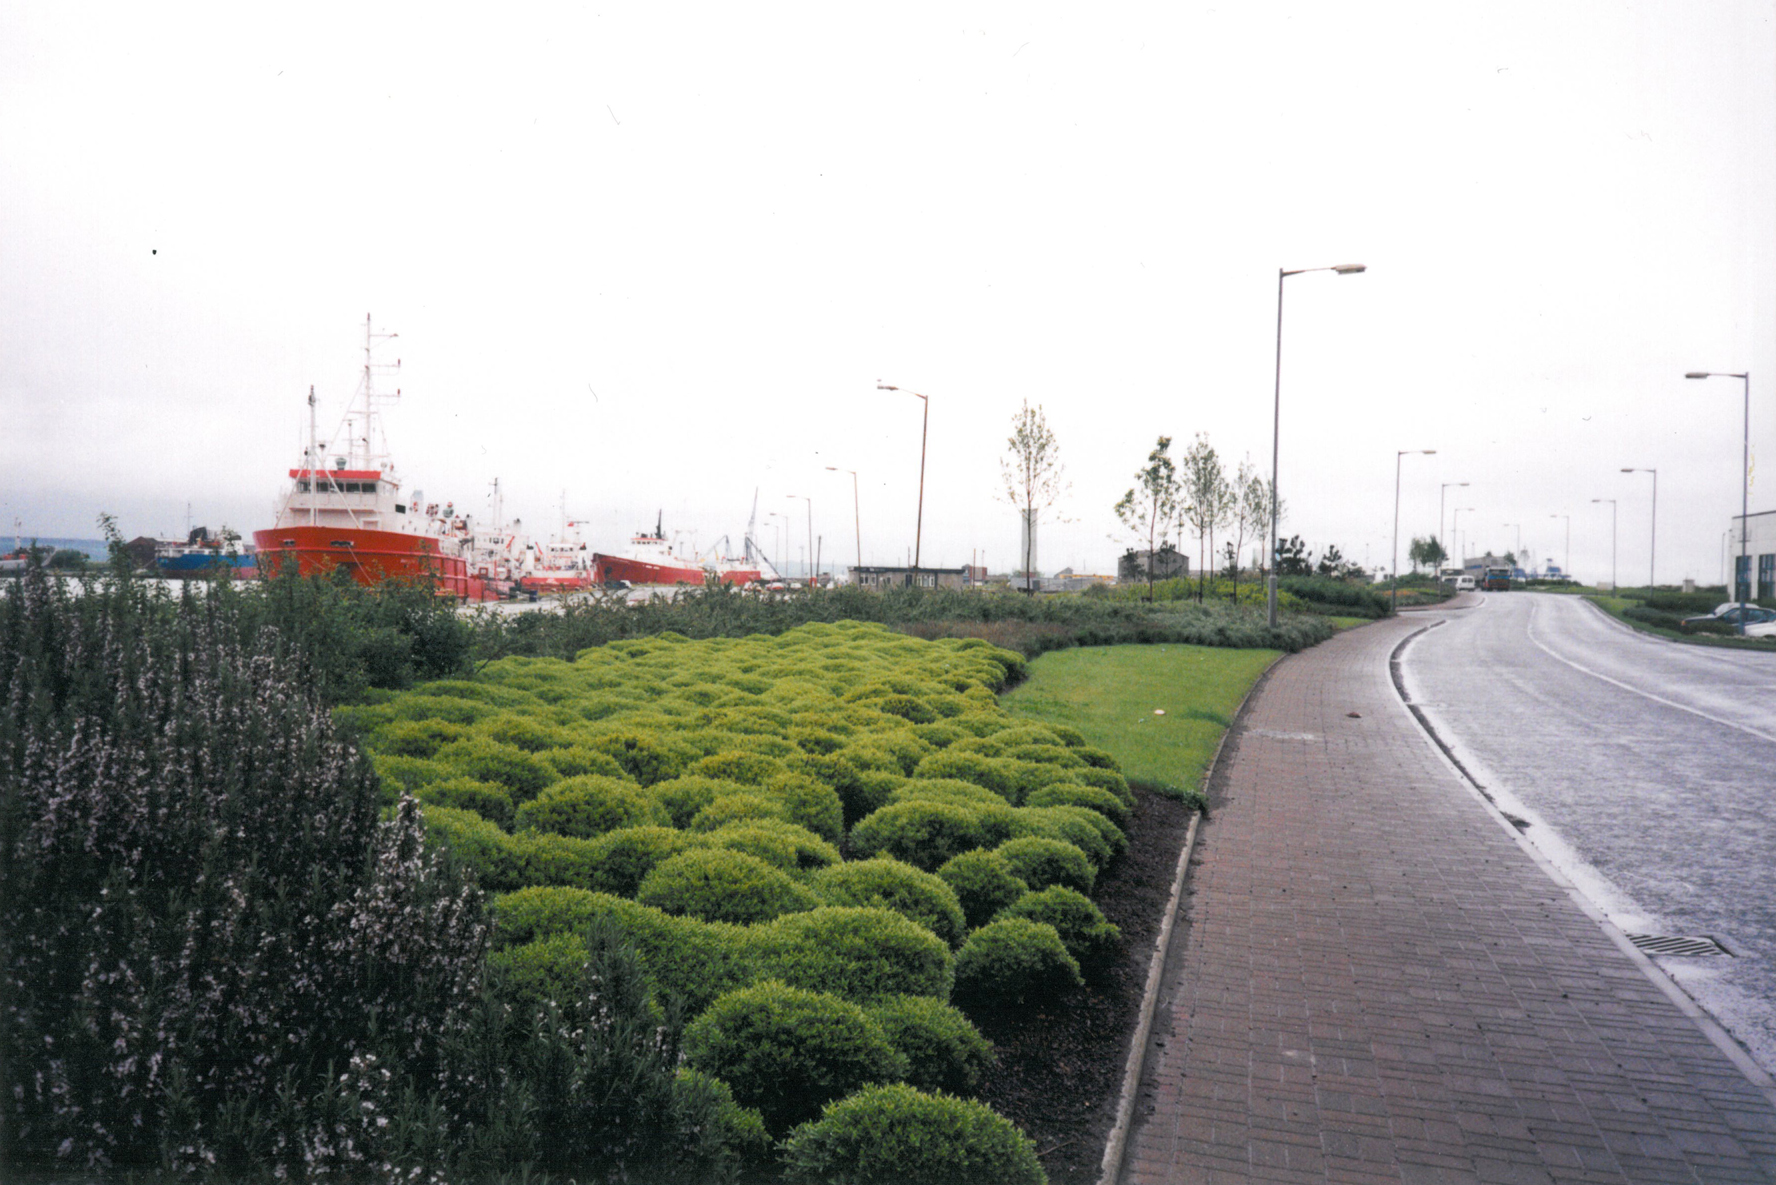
371,556
608,569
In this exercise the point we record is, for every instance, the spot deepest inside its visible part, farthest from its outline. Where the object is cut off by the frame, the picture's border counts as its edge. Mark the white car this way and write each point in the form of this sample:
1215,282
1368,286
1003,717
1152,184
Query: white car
1464,584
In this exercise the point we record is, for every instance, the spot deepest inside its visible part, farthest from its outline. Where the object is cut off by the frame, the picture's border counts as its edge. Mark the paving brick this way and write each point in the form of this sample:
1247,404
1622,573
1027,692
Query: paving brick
1374,982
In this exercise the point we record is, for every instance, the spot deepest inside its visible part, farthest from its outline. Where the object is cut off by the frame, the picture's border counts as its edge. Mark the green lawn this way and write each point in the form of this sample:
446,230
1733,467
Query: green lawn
1109,693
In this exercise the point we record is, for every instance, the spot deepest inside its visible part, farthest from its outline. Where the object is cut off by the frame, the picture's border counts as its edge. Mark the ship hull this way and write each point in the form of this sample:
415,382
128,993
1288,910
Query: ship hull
370,556
194,563
608,569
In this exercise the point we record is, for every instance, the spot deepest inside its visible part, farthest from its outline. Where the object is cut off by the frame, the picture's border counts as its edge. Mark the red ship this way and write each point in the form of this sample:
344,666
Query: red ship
352,514
651,560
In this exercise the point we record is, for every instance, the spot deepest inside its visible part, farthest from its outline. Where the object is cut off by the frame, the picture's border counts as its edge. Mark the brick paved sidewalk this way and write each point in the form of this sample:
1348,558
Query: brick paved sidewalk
1373,982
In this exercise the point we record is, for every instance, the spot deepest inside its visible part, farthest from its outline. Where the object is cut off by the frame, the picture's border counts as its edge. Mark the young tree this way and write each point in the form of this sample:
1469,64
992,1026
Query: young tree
1032,472
1207,500
1427,551
1255,498
1149,507
1292,557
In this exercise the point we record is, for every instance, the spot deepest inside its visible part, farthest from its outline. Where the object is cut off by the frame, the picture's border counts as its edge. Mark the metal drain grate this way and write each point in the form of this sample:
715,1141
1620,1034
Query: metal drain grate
1689,946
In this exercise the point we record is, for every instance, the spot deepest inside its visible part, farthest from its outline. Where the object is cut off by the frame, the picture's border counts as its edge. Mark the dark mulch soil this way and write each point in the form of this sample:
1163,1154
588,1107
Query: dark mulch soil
1060,1066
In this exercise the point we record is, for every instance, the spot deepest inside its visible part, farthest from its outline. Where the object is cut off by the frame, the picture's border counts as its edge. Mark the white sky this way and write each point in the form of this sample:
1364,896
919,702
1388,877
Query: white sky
730,220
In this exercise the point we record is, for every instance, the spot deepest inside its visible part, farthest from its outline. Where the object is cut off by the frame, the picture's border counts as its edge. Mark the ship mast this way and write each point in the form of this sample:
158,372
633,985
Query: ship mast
308,462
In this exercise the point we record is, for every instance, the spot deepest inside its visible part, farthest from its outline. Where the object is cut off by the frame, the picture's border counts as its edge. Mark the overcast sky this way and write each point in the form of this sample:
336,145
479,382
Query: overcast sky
654,257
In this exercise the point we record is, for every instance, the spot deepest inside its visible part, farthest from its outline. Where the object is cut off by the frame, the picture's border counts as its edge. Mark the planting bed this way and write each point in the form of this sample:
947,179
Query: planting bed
834,846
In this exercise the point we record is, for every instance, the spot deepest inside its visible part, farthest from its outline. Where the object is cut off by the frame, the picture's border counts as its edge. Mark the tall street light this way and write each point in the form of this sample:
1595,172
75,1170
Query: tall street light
856,521
810,502
1455,529
1612,506
1442,494
1568,570
1744,485
1394,593
1516,540
924,432
1343,269
1653,543
781,528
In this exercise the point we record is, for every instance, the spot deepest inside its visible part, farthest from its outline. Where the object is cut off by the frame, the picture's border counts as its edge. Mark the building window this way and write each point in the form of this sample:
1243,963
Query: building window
1742,578
1767,575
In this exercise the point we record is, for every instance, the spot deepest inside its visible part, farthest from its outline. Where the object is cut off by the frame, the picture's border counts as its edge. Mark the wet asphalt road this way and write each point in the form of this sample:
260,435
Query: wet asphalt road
1646,770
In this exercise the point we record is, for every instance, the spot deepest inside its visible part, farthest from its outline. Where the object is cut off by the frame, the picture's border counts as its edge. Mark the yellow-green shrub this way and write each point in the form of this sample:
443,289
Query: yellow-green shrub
775,841
588,806
576,761
983,883
752,769
1013,961
1089,797
861,954
486,799
921,832
1088,936
1040,863
891,884
944,1051
723,885
736,808
895,1133
485,760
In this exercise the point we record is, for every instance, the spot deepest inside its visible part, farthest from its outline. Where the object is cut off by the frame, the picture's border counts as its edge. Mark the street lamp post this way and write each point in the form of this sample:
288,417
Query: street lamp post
924,433
856,521
1455,527
1653,542
1612,506
1343,269
1441,495
1394,593
1744,483
1568,570
810,502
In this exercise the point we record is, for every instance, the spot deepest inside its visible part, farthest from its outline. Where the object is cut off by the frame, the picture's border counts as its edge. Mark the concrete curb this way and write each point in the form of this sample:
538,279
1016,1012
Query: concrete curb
1116,1144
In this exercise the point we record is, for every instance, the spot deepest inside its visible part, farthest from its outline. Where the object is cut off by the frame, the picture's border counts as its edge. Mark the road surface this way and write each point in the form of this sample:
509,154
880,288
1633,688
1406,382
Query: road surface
1644,769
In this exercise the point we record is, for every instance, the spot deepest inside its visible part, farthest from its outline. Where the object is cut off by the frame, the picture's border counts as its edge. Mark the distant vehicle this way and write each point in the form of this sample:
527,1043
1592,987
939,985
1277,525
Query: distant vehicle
1727,613
1497,579
1464,583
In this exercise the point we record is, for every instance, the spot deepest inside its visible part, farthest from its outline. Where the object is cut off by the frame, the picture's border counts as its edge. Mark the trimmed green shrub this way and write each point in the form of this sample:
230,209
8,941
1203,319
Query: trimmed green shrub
1094,757
951,790
1085,830
1040,863
1090,797
1072,738
684,796
891,884
994,773
621,859
405,774
812,804
1046,754
736,808
1089,938
646,757
576,761
526,915
896,1135
523,730
751,769
787,1051
861,954
940,734
536,974
415,738
1013,961
521,773
775,841
921,833
1104,779
944,1050
722,885
984,884
740,1130
589,806
489,801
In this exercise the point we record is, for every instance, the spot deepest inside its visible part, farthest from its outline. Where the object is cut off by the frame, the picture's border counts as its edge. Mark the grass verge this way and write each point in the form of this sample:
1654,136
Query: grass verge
1617,607
1110,694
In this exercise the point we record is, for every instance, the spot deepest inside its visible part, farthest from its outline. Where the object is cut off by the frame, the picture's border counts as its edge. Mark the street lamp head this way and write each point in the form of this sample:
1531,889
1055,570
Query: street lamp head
1349,269
1429,452
881,386
1697,374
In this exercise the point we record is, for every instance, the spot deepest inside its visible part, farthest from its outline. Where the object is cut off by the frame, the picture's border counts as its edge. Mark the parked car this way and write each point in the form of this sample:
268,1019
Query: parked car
1727,613
1763,629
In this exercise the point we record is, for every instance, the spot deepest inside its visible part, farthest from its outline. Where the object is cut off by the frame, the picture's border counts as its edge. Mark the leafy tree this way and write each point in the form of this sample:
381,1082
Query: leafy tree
1248,507
1426,551
1032,474
1256,498
1331,562
1151,504
1207,502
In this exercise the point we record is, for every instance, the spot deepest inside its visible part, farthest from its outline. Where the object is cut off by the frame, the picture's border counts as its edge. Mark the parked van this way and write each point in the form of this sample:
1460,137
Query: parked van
1464,583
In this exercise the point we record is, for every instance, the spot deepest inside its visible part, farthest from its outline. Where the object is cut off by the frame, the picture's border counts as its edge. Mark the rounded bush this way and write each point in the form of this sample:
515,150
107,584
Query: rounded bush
952,790
1040,863
621,859
896,1135
684,796
984,884
775,841
577,761
1090,797
812,804
891,884
994,773
940,734
721,885
1014,961
859,953
406,774
1046,754
646,757
788,1051
486,799
589,806
1104,779
1085,830
921,833
752,769
529,914
522,774
415,738
944,1050
1089,938
522,729
735,808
